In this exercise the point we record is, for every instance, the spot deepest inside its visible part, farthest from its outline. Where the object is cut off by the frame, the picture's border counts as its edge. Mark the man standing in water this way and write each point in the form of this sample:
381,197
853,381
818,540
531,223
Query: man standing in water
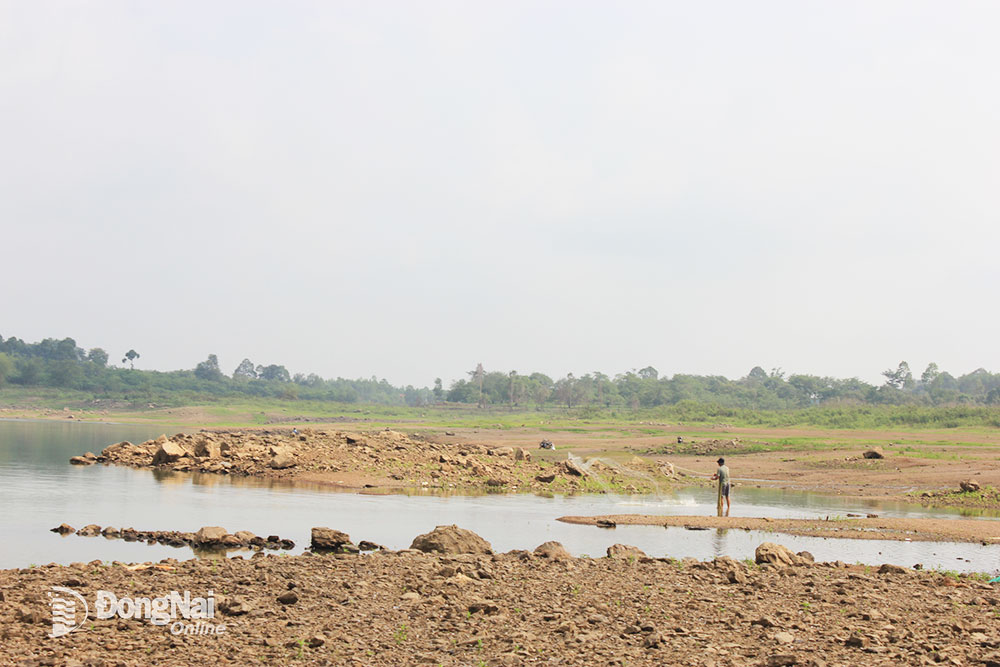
722,474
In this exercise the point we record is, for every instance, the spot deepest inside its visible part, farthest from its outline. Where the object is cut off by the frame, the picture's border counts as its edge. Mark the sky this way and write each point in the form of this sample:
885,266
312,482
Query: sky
407,189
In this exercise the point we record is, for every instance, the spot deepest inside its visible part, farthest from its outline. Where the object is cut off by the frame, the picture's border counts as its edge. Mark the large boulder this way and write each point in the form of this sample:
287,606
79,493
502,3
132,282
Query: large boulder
625,551
168,452
775,554
451,540
209,535
282,460
552,551
328,539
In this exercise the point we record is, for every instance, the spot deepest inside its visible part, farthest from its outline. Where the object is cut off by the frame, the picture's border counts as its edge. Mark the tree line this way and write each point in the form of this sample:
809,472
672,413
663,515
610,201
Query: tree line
63,364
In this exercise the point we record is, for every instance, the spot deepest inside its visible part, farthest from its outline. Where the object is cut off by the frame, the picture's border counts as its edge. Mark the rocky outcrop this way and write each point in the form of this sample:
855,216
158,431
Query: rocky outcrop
451,540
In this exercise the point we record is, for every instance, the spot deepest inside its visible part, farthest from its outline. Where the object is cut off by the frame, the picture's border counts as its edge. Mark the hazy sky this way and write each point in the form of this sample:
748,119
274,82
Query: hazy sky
408,188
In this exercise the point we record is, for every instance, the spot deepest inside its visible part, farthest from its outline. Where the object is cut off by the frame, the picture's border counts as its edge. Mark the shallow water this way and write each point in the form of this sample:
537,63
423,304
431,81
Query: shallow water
39,489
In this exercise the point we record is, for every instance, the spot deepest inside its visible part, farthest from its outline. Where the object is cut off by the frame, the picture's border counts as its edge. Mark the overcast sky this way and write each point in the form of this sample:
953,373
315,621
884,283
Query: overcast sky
408,188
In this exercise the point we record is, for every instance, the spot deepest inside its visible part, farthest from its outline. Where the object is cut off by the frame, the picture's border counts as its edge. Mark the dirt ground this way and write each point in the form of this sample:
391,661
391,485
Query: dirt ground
861,528
459,610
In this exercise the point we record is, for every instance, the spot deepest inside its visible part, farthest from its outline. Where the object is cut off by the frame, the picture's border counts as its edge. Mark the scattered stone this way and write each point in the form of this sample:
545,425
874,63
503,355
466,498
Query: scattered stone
606,523
782,660
209,535
91,530
806,557
282,460
784,637
546,478
64,529
289,597
968,486
888,568
80,461
574,468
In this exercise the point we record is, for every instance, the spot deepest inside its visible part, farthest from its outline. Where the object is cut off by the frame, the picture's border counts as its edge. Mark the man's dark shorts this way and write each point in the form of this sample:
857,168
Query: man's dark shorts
725,490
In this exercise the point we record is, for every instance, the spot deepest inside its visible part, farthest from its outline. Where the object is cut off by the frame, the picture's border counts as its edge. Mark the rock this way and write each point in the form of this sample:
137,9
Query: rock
667,469
652,640
784,637
451,540
282,460
736,575
781,660
236,606
168,452
888,568
857,641
625,551
208,449
208,535
64,529
769,552
552,551
112,450
967,486
288,597
806,557
483,607
764,622
504,451
410,596
874,453
546,478
574,468
606,523
91,530
328,539
522,454
80,461
365,545
244,536
110,531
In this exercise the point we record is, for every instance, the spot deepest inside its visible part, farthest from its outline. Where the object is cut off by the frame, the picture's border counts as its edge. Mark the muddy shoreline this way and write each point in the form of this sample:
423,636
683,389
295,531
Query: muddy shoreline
874,528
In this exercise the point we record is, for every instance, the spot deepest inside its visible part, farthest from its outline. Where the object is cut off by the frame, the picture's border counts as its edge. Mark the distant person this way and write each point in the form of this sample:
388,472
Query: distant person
722,474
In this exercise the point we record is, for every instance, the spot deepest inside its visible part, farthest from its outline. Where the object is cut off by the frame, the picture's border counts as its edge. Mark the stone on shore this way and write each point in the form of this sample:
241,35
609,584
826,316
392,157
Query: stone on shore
625,551
328,539
775,554
64,529
553,551
168,452
451,540
209,535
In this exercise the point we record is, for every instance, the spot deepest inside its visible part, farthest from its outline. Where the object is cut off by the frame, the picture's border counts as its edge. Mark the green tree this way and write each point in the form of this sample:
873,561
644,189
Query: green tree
245,371
900,378
929,374
209,369
6,368
130,357
98,356
438,389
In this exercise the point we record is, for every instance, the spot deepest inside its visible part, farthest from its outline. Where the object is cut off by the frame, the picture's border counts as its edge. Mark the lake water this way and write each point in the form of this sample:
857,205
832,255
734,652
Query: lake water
39,489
